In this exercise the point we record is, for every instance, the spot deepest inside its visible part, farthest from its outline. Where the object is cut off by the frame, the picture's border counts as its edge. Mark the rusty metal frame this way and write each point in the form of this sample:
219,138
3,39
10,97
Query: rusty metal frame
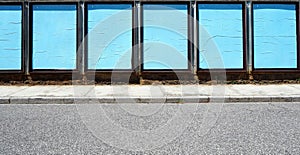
157,72
277,70
23,40
51,71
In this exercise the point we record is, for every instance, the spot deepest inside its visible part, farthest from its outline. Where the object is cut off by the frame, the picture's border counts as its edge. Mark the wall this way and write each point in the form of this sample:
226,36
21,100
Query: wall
164,36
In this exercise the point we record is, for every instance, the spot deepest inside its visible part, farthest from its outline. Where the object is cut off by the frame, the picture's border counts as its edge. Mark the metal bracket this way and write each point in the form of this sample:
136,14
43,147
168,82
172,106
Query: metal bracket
139,48
195,37
26,23
81,38
249,40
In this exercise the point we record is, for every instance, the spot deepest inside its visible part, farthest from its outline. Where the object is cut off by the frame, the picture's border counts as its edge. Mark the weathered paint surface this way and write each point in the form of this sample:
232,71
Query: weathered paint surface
165,36
54,37
109,36
224,25
10,37
275,36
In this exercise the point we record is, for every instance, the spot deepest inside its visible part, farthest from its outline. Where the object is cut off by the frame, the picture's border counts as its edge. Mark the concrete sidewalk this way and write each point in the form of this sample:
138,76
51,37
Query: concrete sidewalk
149,93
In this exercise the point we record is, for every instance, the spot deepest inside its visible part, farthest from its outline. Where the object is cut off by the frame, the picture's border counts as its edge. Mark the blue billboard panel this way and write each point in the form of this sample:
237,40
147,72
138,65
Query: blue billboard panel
220,36
275,39
10,37
109,36
165,38
54,42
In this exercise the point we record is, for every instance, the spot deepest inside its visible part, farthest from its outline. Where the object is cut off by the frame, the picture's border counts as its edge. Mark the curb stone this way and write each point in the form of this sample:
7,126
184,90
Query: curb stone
202,99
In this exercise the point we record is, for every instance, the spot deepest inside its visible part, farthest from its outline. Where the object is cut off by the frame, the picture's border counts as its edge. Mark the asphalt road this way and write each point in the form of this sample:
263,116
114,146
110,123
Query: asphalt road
242,128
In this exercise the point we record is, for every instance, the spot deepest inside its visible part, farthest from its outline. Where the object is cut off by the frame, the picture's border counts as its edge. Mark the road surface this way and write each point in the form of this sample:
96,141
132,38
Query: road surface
237,128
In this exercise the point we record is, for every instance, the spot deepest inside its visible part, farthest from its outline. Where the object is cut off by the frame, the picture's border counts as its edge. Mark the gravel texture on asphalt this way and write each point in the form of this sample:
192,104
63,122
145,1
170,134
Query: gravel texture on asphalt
241,128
